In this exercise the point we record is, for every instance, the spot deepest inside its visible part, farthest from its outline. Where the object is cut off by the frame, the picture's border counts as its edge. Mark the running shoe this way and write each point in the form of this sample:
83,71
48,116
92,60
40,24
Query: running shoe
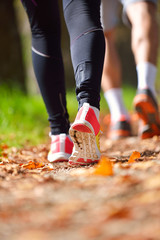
85,133
147,110
61,148
119,129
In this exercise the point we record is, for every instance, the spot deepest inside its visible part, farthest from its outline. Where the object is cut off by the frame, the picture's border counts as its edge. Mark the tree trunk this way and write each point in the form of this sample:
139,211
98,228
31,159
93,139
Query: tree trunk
12,71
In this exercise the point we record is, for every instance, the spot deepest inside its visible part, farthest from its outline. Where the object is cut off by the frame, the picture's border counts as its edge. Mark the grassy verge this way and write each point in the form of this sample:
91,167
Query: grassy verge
23,119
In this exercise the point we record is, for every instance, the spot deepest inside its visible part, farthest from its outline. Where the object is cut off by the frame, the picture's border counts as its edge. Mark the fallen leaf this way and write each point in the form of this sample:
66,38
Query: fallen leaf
122,213
134,156
5,155
104,167
33,165
4,146
47,168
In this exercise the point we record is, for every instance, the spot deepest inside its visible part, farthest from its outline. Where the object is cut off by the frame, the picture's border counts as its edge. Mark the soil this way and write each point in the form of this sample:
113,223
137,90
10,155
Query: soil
40,201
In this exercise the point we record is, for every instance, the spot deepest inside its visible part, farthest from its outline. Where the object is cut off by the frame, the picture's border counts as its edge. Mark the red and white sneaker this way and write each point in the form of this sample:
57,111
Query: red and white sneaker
61,148
85,132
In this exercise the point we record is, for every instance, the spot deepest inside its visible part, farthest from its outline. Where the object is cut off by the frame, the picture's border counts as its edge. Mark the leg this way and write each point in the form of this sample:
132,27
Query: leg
87,51
48,65
111,79
144,42
109,17
47,60
87,48
142,16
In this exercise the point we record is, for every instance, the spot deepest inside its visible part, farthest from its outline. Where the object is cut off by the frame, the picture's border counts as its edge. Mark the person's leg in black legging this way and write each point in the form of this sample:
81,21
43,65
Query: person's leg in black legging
87,51
48,66
47,60
87,47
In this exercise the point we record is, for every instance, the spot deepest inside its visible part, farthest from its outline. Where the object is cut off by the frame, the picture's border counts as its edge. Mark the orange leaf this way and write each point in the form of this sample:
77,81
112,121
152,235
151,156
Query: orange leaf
47,168
134,156
4,146
5,155
33,165
104,167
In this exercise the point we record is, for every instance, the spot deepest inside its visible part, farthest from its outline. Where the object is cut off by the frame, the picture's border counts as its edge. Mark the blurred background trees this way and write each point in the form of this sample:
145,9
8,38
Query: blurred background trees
12,68
15,54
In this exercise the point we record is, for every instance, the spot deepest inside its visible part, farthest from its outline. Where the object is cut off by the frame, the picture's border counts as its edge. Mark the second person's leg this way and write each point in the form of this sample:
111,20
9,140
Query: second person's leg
112,76
142,16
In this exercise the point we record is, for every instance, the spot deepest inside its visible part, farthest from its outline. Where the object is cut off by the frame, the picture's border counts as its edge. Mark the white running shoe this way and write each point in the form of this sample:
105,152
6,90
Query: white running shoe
85,132
61,148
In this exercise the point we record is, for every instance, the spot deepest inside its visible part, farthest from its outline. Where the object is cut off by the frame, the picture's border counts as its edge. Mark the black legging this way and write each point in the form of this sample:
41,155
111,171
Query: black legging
87,47
87,50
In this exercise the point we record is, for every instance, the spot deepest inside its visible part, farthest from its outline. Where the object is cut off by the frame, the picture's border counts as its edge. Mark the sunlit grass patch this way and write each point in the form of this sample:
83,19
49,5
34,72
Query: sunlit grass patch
23,118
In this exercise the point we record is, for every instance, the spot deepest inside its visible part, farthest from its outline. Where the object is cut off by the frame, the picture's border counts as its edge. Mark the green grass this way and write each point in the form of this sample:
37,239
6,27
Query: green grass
23,119
128,96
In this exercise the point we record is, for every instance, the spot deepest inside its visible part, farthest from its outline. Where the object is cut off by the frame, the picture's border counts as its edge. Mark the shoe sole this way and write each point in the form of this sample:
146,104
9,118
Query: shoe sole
149,134
147,112
84,144
81,127
59,157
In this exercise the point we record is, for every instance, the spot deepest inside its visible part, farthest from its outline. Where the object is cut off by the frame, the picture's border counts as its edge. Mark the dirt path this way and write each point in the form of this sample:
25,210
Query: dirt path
59,202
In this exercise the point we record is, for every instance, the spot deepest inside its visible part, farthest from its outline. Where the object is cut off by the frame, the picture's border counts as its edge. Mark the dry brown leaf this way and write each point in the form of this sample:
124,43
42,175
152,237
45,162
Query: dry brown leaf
121,213
33,165
47,168
134,156
104,167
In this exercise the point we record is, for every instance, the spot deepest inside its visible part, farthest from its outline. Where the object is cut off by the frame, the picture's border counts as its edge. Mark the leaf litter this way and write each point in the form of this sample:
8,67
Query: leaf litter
116,199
